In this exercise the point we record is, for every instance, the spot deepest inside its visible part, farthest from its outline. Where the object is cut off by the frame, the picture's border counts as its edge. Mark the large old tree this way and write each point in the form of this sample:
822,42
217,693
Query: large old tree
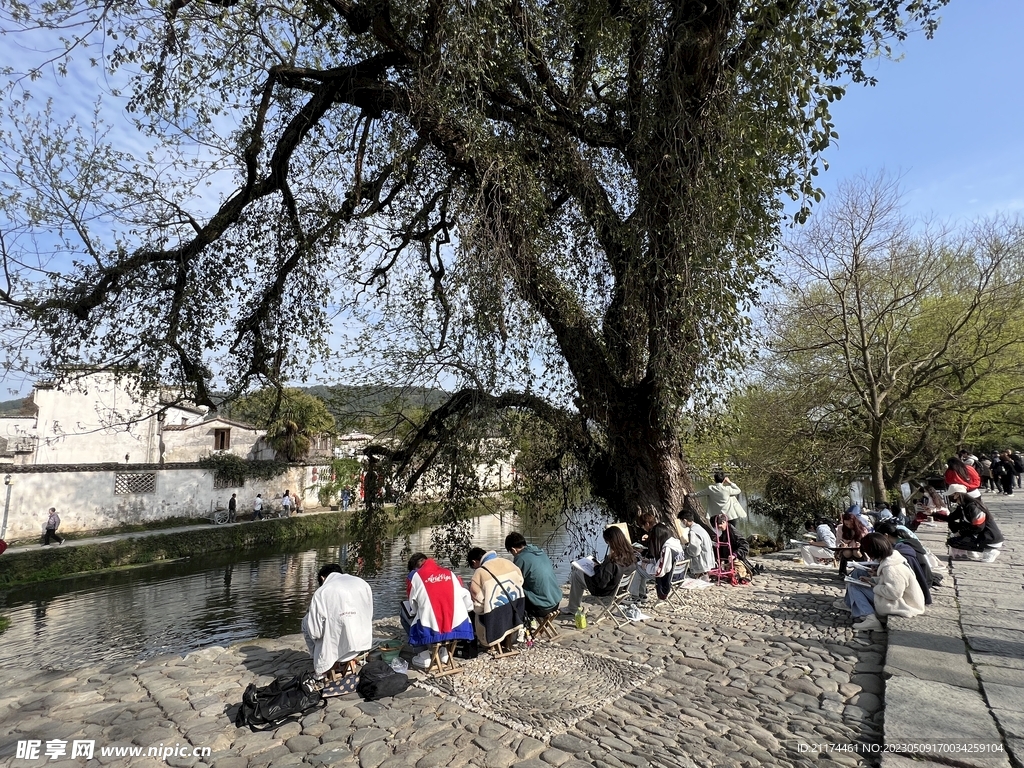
562,208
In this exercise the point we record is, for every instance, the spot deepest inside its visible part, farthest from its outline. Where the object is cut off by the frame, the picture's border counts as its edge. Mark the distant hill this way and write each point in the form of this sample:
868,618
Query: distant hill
355,407
21,407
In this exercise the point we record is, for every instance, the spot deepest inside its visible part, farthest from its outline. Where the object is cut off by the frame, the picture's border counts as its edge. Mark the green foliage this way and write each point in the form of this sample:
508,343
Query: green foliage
566,209
789,502
5,623
34,564
226,466
344,474
892,346
291,418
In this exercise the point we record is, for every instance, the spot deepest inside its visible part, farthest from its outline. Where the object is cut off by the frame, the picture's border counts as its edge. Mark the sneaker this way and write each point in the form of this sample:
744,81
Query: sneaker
421,660
868,624
567,611
840,605
443,655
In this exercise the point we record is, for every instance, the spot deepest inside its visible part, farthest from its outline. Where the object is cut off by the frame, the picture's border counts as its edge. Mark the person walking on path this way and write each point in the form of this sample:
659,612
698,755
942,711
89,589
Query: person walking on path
257,507
233,509
286,504
52,523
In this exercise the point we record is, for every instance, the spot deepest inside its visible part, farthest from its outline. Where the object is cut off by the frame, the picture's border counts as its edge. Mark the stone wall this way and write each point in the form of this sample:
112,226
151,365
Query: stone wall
100,496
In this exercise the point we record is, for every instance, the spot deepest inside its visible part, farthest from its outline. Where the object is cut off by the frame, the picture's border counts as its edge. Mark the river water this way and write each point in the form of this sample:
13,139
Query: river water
224,597
215,599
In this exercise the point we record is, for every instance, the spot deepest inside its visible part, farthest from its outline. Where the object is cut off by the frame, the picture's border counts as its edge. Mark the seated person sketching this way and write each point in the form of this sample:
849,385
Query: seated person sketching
543,593
699,547
973,531
732,547
619,562
888,588
851,532
661,550
438,607
339,624
499,602
821,551
913,552
929,506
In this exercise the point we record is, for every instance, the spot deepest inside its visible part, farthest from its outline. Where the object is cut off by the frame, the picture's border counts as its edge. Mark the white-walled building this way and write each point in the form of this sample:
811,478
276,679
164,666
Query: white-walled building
102,419
104,454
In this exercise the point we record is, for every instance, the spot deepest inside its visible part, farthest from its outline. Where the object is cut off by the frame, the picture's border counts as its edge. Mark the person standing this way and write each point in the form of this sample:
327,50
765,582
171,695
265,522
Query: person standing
1018,466
1006,460
723,498
286,504
52,523
233,509
257,507
346,497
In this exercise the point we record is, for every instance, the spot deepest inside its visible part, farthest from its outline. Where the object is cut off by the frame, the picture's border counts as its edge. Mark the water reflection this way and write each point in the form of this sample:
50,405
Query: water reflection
214,599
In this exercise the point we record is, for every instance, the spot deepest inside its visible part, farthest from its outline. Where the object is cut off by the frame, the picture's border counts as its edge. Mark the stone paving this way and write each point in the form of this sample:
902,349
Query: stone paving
957,673
742,676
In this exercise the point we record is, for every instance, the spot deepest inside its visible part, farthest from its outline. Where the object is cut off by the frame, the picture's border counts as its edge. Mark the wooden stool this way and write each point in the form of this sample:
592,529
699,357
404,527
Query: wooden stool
343,668
501,650
546,625
439,669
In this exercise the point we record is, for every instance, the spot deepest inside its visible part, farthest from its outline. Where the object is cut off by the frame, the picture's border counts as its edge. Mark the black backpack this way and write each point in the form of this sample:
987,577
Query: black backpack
377,680
286,698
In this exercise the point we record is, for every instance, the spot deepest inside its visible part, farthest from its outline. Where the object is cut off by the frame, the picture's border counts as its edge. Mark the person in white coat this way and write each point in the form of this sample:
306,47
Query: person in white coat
699,548
339,624
723,498
891,590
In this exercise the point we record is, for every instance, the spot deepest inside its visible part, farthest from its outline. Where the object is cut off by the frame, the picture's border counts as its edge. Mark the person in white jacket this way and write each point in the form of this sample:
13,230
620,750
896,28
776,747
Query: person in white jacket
891,590
723,498
339,624
658,558
699,547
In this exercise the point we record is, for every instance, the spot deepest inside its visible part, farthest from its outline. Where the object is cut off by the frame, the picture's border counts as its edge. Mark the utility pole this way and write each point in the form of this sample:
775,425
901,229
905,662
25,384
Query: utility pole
7,505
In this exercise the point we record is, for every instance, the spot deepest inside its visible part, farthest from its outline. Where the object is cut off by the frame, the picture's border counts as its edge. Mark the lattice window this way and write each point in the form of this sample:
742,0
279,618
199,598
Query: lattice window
134,482
228,482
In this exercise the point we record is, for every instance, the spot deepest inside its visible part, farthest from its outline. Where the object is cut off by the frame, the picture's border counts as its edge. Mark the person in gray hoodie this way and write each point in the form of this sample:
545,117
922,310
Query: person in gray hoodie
543,592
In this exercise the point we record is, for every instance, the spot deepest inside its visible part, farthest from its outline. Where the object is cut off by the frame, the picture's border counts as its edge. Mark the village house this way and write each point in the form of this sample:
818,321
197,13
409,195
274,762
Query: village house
105,453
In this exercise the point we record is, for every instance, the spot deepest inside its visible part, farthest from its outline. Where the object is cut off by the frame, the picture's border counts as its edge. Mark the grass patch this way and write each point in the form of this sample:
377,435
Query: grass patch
5,622
47,563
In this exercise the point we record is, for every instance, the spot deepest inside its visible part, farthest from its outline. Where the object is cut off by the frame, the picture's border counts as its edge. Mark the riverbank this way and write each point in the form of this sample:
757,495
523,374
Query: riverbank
767,674
739,677
29,563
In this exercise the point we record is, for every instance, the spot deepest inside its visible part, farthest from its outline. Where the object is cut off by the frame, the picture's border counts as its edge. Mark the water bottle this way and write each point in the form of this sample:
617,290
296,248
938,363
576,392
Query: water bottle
581,618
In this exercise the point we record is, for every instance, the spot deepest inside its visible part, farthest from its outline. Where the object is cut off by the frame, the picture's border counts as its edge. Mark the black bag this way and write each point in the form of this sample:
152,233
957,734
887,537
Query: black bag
467,649
286,698
377,680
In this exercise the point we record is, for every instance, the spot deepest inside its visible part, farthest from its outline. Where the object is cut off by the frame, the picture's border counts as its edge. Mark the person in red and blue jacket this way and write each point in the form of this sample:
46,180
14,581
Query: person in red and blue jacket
440,604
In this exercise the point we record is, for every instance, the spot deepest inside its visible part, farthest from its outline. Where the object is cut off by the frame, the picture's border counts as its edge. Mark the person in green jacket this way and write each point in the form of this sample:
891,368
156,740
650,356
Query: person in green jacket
543,592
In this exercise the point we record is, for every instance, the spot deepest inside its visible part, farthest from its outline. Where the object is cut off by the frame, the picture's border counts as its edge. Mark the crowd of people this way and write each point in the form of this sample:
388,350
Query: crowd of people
510,596
888,571
886,568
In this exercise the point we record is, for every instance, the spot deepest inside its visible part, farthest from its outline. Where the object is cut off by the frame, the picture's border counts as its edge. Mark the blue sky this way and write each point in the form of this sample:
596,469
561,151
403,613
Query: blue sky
948,117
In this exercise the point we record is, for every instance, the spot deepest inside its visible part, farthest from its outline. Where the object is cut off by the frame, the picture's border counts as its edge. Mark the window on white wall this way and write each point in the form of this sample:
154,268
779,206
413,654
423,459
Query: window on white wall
134,482
221,439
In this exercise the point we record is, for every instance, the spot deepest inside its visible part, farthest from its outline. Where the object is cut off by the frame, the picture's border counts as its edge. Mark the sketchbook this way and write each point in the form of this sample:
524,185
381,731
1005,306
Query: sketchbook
587,565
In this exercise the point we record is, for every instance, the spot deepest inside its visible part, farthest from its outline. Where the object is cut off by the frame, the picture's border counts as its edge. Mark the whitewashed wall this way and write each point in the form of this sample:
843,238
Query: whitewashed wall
86,501
182,445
